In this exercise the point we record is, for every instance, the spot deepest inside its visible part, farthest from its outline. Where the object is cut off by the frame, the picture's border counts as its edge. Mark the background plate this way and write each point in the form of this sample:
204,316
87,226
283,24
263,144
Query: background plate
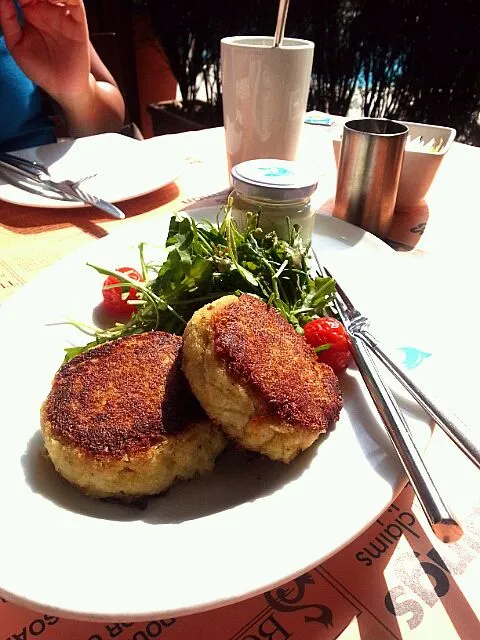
248,526
125,168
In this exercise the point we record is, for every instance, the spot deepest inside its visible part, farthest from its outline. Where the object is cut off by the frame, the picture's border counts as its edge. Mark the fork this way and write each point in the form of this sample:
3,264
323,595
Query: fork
459,433
442,522
68,189
36,168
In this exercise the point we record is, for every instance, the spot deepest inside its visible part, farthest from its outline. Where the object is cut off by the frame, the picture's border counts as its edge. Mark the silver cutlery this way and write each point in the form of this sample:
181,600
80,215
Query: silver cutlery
461,435
39,174
36,167
32,165
442,521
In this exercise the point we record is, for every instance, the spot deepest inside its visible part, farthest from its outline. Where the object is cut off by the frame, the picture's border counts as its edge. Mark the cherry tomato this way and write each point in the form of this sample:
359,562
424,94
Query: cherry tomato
114,298
329,331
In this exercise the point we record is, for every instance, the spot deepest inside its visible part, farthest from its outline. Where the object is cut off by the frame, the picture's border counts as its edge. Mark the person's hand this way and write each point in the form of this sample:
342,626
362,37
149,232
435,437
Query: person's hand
51,46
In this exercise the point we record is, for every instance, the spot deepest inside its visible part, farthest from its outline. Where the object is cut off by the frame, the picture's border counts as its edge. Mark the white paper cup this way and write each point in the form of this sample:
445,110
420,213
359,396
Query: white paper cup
265,91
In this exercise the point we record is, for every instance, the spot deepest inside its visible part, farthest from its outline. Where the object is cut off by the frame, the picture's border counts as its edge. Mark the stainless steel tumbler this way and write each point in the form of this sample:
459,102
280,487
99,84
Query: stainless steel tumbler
371,159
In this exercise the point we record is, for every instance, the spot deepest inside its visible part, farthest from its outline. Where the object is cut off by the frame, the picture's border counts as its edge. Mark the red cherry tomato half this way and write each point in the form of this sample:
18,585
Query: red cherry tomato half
114,299
329,331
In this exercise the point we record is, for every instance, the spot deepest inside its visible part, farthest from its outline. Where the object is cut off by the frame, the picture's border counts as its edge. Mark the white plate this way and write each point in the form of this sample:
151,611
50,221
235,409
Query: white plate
212,541
125,168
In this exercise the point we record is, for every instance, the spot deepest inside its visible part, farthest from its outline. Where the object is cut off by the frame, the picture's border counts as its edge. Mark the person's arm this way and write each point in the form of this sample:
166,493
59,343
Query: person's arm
100,108
53,49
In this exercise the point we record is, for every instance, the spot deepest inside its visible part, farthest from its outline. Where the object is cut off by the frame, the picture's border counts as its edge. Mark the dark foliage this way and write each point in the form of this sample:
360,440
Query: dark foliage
420,61
412,61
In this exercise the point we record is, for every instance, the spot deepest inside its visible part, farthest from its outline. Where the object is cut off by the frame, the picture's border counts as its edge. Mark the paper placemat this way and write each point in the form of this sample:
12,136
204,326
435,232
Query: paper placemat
395,581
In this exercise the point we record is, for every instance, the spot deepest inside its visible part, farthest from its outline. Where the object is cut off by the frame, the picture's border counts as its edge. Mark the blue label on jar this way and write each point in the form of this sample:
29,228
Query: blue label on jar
274,172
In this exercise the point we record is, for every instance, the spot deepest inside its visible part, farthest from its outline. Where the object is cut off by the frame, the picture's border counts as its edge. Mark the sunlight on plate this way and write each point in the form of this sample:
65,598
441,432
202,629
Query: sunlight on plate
249,525
125,168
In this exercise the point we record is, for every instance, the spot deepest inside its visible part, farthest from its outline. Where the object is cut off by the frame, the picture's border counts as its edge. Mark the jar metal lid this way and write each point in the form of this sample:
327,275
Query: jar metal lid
279,180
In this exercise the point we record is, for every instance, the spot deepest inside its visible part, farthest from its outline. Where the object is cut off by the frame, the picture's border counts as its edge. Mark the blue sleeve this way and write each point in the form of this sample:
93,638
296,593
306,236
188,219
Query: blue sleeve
23,120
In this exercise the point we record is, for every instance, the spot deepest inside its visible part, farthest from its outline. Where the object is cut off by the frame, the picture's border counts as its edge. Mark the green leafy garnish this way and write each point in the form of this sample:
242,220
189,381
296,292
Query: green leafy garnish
322,347
207,261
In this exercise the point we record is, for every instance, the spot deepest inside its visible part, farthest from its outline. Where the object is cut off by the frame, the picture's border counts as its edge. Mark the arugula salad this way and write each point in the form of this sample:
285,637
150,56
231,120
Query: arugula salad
206,261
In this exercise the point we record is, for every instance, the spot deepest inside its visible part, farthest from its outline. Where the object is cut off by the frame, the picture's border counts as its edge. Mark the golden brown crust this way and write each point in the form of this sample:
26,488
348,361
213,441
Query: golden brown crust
264,351
122,397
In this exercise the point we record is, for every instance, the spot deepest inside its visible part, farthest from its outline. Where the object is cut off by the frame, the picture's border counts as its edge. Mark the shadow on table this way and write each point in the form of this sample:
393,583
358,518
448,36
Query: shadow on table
424,577
380,588
31,220
239,477
372,436
407,227
439,568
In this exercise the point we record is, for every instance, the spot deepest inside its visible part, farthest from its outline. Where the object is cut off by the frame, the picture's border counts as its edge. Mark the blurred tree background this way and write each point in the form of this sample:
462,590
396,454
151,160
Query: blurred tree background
406,59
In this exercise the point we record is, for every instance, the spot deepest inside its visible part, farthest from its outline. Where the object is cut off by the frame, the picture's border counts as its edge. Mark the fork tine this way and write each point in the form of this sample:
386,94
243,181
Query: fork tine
321,268
340,306
346,310
340,293
77,183
85,196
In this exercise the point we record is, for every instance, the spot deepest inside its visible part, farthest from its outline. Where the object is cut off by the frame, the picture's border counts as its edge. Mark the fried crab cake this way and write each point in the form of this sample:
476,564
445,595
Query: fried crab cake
257,378
121,421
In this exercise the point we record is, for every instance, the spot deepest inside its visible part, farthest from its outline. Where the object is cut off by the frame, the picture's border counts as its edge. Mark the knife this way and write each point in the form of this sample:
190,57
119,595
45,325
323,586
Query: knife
66,188
441,519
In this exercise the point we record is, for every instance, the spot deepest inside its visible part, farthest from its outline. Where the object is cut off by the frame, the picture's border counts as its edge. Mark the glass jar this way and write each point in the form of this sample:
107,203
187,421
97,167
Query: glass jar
276,190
